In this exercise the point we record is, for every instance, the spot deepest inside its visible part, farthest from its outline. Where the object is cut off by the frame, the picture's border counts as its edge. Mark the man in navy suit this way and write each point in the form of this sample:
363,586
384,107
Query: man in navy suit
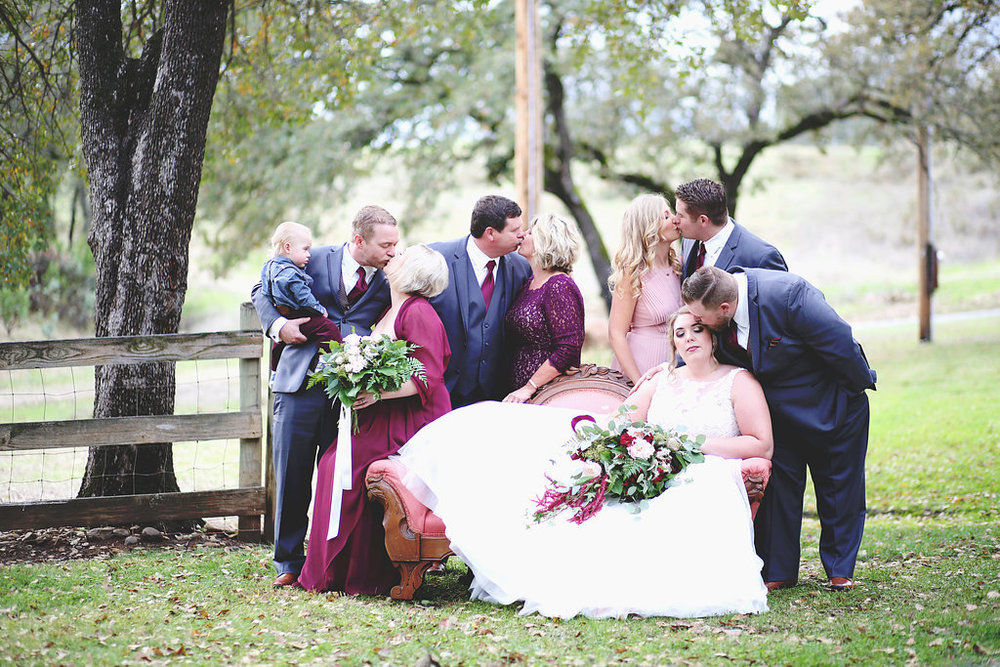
349,282
712,238
485,276
814,374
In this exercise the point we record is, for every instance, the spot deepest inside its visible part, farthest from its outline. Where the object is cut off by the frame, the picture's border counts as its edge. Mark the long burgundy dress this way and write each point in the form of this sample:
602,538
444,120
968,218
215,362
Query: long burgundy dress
355,561
545,323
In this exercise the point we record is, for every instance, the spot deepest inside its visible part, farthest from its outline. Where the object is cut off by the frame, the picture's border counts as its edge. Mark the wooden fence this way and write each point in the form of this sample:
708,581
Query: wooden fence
248,502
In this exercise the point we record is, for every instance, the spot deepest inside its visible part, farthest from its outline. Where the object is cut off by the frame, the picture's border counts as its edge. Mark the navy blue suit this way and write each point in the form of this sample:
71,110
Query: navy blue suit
814,375
479,362
304,424
742,249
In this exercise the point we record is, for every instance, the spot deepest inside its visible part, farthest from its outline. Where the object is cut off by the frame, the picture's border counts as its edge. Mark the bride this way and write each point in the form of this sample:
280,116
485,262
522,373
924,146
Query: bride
689,553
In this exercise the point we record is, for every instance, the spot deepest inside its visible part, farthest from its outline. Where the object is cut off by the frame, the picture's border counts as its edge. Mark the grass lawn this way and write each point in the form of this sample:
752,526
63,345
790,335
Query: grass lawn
929,571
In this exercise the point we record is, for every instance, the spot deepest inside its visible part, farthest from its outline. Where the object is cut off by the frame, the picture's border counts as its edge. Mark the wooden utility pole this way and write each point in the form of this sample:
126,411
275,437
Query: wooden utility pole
528,172
926,253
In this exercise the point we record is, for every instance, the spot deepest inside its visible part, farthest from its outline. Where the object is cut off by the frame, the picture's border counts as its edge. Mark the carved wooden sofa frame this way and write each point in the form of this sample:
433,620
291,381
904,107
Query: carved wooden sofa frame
415,537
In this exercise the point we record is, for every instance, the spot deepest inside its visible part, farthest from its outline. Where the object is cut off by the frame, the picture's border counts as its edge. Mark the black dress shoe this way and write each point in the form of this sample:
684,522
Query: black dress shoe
286,579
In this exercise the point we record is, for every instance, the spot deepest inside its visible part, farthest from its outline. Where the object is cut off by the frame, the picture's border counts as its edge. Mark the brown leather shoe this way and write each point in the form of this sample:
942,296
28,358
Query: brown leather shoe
778,585
840,583
286,579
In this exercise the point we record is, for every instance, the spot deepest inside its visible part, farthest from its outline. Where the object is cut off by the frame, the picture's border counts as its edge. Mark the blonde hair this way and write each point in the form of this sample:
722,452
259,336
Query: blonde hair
424,271
286,232
556,242
641,225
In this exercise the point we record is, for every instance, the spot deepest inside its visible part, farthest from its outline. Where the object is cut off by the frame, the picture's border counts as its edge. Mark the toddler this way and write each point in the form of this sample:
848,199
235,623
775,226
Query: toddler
286,284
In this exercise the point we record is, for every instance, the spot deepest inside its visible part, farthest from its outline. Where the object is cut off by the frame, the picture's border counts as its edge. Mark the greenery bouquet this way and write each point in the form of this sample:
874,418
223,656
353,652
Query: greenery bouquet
375,363
631,461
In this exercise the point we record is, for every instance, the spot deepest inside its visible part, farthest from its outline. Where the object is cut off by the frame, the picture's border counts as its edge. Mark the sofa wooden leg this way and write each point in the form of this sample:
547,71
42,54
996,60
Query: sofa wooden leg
411,577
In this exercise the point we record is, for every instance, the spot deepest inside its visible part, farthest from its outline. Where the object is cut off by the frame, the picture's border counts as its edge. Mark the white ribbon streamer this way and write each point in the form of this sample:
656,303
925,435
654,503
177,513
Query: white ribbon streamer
342,466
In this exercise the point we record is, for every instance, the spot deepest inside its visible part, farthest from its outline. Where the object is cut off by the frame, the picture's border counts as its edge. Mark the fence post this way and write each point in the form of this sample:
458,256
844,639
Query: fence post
250,448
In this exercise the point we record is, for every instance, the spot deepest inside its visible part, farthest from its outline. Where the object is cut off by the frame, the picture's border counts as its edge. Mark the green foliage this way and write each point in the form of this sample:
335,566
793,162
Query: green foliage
372,364
39,128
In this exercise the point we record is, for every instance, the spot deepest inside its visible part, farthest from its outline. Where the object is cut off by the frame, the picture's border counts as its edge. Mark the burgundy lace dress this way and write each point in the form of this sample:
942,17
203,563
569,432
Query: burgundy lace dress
545,323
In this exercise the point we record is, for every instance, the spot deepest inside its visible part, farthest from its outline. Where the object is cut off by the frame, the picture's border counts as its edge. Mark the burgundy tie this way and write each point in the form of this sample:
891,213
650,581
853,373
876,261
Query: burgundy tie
488,283
700,261
733,343
359,288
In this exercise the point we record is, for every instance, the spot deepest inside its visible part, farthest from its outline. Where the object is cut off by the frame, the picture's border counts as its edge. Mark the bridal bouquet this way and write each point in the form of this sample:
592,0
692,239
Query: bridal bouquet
365,363
631,461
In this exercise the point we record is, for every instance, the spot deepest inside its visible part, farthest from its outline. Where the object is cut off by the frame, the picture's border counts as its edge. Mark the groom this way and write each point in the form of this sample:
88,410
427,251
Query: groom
814,376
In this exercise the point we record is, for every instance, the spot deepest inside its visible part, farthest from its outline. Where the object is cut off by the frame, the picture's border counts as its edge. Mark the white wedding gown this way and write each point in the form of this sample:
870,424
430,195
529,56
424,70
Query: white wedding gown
690,553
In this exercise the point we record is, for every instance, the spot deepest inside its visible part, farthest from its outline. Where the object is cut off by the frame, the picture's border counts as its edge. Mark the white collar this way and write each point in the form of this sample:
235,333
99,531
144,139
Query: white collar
742,314
479,260
714,245
349,269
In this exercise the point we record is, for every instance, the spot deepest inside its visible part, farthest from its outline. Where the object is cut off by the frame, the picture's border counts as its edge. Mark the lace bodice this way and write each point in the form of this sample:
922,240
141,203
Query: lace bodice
701,407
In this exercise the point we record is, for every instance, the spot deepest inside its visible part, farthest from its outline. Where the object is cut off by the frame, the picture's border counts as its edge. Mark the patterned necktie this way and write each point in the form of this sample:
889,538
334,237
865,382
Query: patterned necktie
359,288
700,260
488,283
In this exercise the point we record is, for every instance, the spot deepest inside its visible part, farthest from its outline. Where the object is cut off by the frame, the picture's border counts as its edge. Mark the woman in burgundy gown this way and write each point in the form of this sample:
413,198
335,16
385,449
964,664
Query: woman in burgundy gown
355,560
545,322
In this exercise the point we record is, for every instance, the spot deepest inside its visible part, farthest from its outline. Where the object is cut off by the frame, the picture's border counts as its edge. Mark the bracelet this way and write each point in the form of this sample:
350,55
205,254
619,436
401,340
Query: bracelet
533,385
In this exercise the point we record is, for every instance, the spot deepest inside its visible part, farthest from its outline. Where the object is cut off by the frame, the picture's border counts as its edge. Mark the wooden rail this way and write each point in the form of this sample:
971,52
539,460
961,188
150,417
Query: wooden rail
248,502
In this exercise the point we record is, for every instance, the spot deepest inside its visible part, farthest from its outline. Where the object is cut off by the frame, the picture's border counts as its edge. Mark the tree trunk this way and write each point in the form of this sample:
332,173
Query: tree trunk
559,181
143,125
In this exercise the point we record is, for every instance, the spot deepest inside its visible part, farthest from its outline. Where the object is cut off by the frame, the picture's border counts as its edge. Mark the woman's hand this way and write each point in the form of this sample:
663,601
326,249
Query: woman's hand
365,399
648,375
519,395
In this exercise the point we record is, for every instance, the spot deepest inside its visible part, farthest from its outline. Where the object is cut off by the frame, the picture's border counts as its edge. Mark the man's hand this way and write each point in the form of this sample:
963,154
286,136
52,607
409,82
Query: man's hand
648,375
290,333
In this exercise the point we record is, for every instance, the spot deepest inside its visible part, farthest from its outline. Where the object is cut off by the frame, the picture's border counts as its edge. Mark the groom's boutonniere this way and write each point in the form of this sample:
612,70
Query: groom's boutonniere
773,342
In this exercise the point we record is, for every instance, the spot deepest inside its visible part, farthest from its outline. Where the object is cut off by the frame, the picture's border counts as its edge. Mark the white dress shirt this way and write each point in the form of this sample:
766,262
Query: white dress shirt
479,260
714,246
742,314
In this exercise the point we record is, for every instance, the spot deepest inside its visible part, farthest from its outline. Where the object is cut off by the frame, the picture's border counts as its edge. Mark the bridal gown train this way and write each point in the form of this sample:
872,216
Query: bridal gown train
689,553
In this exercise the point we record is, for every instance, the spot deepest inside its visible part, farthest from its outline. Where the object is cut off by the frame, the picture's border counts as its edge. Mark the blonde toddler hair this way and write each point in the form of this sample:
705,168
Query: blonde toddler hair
285,232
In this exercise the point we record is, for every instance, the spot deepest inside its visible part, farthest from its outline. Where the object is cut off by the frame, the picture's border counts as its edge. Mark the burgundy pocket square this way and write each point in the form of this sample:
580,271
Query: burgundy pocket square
773,342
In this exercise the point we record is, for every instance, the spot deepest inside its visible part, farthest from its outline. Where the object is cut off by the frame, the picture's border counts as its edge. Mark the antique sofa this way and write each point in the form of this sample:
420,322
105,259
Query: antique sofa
415,537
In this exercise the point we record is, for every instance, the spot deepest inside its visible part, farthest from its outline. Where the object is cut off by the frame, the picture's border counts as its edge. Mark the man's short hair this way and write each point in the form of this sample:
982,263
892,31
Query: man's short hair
711,286
492,211
705,197
366,219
